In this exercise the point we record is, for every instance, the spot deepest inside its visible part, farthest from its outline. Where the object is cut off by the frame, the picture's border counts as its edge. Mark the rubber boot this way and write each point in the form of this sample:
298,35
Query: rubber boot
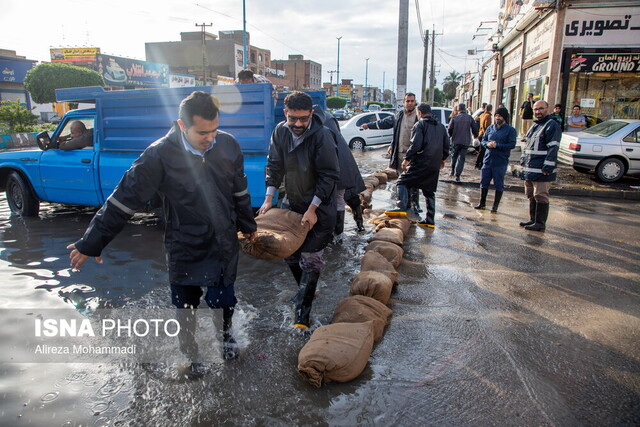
430,218
542,212
186,317
496,201
483,199
532,213
403,202
230,349
415,200
357,215
339,224
303,310
297,274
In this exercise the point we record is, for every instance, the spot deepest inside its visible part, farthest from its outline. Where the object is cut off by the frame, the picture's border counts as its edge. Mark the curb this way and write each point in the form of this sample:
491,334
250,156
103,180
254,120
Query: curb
569,192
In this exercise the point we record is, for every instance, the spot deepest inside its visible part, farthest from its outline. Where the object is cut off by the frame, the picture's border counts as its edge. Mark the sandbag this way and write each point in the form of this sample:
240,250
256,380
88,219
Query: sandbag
366,195
392,252
380,218
280,233
382,177
371,284
373,261
391,173
337,352
360,308
371,180
393,235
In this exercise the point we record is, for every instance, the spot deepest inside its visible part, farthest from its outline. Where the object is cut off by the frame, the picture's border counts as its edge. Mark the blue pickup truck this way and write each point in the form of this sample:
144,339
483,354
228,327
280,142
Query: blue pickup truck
124,123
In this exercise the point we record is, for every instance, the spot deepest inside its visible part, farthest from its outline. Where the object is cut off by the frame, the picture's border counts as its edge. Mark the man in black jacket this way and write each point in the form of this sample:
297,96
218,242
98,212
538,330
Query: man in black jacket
423,161
461,129
303,155
198,171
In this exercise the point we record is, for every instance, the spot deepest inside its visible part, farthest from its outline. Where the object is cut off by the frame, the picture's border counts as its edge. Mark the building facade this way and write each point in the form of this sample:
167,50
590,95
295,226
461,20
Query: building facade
301,73
13,69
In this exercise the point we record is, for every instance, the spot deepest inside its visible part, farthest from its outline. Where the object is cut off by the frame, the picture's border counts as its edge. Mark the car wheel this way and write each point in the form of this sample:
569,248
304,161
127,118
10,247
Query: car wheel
581,169
610,170
357,144
20,197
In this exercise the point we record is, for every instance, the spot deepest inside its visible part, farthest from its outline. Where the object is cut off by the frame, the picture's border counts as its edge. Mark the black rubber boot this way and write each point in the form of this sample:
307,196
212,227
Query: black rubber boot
186,317
339,228
483,199
297,274
414,195
542,212
303,310
532,213
357,215
496,201
230,349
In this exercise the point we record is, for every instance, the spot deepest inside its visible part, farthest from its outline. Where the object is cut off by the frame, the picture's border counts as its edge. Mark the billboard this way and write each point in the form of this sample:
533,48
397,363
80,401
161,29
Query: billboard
181,80
131,72
14,71
74,54
344,91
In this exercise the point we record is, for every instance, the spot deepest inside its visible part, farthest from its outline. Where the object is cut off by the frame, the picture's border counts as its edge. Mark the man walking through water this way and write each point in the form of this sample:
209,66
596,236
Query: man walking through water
303,155
198,171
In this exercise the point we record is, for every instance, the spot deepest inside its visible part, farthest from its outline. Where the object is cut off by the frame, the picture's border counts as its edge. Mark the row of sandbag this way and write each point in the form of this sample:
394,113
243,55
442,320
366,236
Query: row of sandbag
340,351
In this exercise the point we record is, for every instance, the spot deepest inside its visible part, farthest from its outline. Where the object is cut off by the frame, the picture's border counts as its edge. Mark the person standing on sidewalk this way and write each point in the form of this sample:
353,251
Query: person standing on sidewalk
539,160
576,122
485,122
402,123
526,113
498,140
303,154
423,161
461,129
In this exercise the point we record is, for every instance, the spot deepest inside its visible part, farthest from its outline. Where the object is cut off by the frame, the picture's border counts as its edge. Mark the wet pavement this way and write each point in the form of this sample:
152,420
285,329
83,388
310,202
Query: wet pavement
491,324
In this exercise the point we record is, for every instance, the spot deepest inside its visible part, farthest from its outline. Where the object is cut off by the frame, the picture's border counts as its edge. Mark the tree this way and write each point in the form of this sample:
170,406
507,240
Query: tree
438,97
336,102
450,84
15,118
43,80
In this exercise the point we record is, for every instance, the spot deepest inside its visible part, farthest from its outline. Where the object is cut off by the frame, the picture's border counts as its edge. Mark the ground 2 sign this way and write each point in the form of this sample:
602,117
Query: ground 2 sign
605,62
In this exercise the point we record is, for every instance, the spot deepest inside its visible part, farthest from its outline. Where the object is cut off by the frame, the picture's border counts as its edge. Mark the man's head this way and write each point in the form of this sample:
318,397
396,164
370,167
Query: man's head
540,109
501,116
529,96
77,129
557,108
409,102
298,109
576,110
488,108
462,107
199,119
484,105
245,76
424,110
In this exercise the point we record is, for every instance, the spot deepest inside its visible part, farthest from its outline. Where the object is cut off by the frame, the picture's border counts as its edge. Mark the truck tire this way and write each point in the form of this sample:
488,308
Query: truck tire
20,197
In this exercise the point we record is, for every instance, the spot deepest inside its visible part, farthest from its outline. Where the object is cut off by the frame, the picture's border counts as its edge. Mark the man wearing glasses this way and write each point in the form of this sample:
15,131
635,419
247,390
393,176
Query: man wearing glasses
539,160
303,154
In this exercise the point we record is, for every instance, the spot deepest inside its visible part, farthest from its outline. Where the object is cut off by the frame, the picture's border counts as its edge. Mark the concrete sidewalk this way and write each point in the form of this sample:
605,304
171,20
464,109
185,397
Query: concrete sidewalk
568,182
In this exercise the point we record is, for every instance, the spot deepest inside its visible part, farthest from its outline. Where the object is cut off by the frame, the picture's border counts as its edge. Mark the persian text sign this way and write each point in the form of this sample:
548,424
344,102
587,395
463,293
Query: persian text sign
74,54
610,26
605,63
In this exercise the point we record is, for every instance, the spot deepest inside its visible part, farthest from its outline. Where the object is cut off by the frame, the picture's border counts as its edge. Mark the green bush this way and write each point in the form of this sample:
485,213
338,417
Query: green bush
43,80
16,118
336,102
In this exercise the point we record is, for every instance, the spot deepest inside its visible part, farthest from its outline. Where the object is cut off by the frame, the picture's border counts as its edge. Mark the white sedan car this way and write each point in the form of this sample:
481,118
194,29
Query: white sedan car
359,138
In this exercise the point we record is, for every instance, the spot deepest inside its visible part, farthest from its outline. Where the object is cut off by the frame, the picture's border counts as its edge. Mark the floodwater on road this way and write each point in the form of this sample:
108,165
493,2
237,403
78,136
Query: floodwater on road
490,324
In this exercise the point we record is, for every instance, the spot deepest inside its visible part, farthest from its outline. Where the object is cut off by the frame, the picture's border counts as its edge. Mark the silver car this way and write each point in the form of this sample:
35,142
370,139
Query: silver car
612,148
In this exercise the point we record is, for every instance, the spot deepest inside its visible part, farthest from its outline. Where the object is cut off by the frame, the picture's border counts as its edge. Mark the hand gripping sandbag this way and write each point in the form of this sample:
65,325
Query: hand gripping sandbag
337,352
280,234
360,308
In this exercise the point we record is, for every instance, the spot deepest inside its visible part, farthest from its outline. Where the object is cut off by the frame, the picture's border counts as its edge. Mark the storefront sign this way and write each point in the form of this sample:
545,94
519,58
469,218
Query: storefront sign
602,27
512,60
131,72
538,40
344,91
14,71
605,63
587,103
75,54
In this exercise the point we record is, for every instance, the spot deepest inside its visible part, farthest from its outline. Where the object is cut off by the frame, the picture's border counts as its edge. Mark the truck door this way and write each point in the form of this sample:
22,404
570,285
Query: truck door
70,176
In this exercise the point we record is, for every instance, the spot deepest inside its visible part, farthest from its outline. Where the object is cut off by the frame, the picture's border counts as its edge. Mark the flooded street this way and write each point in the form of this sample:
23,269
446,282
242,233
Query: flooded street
491,324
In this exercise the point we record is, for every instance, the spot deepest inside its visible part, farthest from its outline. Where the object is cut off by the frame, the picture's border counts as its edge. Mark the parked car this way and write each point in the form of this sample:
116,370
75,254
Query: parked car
359,138
341,114
442,114
612,148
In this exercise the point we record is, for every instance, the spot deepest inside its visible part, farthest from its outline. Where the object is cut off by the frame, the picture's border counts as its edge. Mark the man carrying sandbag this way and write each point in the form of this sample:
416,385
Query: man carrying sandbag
198,171
303,154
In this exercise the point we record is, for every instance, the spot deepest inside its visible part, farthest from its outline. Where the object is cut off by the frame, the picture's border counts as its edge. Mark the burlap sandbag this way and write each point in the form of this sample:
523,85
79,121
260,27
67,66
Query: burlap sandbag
391,173
371,284
366,195
391,251
393,235
360,308
280,234
337,352
371,180
382,177
373,261
378,218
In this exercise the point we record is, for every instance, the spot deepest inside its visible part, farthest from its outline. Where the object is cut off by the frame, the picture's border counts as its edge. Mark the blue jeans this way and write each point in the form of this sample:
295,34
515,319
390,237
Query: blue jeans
457,158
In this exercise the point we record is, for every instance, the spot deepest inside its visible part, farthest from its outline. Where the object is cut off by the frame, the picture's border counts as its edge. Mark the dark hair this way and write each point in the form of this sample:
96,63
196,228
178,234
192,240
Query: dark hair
298,101
424,108
484,104
245,74
558,105
409,94
198,103
489,107
579,108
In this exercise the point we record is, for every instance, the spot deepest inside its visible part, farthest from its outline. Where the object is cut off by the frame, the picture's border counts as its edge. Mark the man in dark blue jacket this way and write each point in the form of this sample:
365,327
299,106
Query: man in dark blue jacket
303,154
461,129
199,173
539,161
498,140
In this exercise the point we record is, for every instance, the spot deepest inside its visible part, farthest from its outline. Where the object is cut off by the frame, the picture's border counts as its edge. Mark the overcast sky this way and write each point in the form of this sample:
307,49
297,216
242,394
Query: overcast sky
369,29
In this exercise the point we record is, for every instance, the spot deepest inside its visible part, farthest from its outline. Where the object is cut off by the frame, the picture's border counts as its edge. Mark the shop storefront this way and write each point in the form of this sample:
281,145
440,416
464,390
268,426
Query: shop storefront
12,73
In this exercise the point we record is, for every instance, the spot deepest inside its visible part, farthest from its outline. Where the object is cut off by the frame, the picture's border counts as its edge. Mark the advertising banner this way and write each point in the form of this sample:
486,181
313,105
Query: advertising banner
605,62
344,91
74,54
611,26
132,72
14,71
181,80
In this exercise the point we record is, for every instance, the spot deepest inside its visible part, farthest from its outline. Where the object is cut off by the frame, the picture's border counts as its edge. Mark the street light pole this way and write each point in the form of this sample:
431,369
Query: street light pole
366,77
244,35
338,69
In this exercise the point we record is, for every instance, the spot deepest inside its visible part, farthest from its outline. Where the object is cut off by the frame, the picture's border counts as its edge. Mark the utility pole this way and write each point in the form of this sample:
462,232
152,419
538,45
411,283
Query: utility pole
383,75
204,50
331,81
366,76
432,80
338,69
403,45
244,35
425,65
